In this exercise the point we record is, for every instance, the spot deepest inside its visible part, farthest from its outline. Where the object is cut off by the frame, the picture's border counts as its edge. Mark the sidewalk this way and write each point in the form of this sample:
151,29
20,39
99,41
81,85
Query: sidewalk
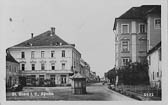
143,95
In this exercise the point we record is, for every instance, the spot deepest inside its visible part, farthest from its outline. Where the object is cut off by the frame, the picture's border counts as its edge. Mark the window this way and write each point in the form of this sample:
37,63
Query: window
125,61
10,67
32,54
41,80
52,78
53,66
160,54
23,67
125,28
153,75
42,54
22,55
15,70
42,66
157,23
33,66
142,28
52,54
63,65
74,64
157,74
125,46
149,60
63,79
63,53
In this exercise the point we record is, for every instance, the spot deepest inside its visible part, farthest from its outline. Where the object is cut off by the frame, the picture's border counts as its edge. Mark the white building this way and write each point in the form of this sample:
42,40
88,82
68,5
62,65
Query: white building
154,61
12,71
46,56
136,32
85,69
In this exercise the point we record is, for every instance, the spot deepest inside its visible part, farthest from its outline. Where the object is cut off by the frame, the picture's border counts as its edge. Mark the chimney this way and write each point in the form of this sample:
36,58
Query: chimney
31,35
52,30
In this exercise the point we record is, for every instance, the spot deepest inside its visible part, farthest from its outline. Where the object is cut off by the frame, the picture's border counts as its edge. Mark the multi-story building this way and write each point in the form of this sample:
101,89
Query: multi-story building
133,34
85,69
93,76
12,71
154,46
46,56
154,63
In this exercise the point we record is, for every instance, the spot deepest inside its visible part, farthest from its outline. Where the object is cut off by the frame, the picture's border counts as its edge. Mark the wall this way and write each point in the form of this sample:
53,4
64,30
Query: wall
155,66
135,52
154,35
16,53
12,70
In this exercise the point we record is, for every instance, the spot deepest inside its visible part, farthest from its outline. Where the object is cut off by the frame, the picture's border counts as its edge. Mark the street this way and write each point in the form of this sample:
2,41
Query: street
95,92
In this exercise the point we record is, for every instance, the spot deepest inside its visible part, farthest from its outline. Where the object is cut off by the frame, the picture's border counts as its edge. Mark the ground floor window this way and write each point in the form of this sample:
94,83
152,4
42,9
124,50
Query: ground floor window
41,80
63,79
52,78
125,61
31,80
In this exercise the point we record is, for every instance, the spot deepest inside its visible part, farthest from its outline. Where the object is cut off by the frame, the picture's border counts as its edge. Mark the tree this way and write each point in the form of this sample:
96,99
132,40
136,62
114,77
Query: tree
111,75
134,74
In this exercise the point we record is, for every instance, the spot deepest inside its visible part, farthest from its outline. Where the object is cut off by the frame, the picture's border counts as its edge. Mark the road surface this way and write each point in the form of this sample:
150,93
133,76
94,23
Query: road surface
95,92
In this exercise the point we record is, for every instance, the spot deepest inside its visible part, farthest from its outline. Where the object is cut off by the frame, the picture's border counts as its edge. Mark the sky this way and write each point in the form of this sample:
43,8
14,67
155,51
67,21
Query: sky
86,23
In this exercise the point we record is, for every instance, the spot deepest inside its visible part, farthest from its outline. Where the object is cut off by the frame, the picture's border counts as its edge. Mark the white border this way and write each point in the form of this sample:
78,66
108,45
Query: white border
164,27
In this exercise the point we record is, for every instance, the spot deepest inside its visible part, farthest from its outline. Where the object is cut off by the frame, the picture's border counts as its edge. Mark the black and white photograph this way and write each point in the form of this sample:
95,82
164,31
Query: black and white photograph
83,50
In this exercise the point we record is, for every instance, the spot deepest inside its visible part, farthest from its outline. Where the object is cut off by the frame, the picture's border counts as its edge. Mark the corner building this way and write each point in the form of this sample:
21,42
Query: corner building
133,36
46,57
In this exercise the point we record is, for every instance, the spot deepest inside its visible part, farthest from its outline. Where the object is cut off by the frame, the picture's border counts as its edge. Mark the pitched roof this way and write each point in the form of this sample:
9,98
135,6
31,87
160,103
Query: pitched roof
44,39
10,58
139,12
154,48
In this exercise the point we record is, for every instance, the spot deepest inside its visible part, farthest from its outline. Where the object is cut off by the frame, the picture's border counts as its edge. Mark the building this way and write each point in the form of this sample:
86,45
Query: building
154,62
85,69
12,71
46,57
93,76
134,34
153,27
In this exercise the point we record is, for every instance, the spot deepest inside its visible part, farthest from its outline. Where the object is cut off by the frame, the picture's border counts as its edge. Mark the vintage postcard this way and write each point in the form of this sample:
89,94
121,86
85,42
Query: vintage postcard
83,50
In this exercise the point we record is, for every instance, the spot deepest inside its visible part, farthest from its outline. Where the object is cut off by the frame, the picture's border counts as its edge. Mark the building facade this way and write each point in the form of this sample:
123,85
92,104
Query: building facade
46,57
133,34
85,69
155,70
12,71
